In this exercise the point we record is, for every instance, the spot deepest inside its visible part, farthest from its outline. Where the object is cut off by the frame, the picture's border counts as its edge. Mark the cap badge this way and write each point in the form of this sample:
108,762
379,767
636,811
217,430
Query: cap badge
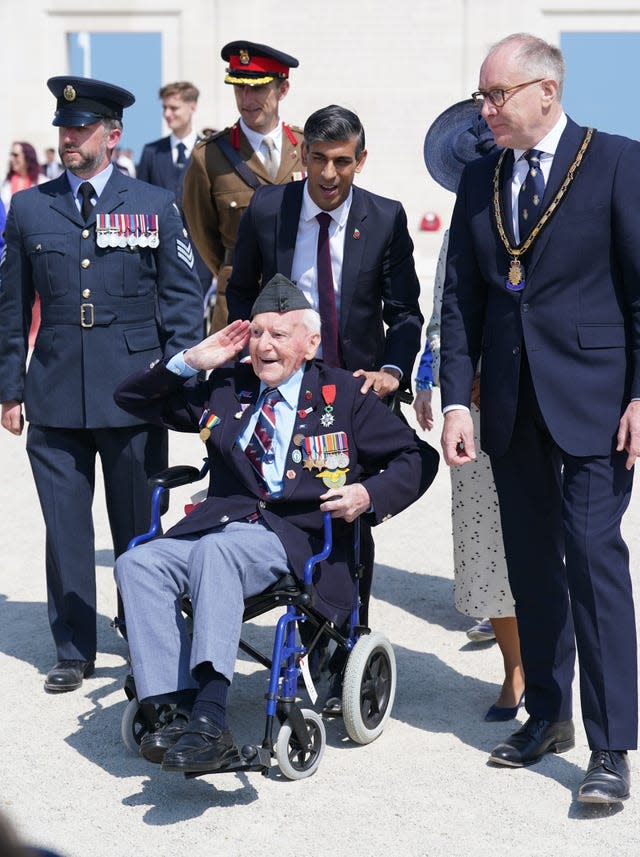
69,93
244,57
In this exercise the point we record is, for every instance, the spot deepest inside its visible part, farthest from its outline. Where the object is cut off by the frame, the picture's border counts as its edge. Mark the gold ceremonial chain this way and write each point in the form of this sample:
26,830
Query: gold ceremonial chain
516,271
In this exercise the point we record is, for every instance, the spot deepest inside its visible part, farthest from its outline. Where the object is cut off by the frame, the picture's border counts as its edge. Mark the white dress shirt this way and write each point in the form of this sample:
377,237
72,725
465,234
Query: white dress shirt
189,142
255,139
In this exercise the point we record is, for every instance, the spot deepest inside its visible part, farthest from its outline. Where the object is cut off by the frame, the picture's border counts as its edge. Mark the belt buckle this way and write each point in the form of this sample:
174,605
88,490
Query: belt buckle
87,308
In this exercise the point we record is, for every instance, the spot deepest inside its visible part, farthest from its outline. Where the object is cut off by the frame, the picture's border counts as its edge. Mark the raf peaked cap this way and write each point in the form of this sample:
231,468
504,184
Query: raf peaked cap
83,101
457,137
251,64
279,295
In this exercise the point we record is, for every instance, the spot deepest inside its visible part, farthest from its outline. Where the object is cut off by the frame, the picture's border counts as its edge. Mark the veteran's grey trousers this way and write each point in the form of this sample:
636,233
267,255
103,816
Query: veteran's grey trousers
218,571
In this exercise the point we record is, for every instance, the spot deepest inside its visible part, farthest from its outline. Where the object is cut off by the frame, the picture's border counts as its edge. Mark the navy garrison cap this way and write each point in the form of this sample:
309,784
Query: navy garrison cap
83,101
251,64
457,137
279,295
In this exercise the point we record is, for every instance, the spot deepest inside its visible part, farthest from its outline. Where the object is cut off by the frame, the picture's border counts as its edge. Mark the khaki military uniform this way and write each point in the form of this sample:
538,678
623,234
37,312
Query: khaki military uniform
215,198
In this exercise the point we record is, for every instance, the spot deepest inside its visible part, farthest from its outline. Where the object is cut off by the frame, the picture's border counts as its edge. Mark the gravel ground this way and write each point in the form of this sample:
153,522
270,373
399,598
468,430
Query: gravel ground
423,788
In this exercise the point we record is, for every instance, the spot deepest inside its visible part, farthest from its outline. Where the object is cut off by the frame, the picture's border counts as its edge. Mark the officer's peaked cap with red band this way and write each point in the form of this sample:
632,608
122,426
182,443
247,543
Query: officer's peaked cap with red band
251,64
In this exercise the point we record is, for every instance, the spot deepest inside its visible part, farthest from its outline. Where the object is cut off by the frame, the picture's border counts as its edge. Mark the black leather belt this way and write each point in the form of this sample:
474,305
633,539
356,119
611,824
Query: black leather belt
91,315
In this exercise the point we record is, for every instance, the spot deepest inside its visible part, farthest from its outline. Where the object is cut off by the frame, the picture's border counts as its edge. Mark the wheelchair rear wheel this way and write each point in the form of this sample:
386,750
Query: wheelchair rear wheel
295,762
369,687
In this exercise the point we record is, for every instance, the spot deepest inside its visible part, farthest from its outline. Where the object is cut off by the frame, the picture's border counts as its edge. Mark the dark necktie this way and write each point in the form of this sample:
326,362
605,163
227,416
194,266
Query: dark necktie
531,193
86,191
258,450
181,160
327,295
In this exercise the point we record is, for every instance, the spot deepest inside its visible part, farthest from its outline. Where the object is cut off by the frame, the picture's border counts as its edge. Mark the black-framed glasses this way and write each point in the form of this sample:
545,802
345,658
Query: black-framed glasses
498,96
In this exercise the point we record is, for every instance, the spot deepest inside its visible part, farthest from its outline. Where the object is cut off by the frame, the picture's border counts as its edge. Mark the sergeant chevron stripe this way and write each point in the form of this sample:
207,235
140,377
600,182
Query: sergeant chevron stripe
185,252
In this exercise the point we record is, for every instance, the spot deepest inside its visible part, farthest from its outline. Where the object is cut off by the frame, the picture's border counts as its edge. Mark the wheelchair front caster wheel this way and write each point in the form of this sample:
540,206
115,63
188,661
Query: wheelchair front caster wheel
369,687
295,762
133,726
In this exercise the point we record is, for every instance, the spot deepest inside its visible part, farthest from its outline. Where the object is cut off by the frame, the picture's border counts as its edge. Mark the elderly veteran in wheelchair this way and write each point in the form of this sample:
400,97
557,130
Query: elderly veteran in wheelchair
287,440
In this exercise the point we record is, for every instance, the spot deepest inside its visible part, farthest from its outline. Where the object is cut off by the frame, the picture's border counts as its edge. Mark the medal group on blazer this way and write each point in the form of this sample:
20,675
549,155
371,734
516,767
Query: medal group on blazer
327,453
127,230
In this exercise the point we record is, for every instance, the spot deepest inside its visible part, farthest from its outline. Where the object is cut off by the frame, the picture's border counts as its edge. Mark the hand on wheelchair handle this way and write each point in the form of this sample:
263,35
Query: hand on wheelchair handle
384,382
348,502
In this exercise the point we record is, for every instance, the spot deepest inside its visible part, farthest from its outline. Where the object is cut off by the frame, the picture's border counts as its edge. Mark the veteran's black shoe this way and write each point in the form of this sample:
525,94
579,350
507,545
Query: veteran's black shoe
535,738
201,748
608,779
154,745
333,703
68,675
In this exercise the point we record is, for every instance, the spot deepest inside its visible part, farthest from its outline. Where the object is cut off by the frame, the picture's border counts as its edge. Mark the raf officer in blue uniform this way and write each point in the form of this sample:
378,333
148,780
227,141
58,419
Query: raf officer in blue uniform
113,265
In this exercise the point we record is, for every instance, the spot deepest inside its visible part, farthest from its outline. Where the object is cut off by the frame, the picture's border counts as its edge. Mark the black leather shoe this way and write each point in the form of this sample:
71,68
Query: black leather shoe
202,748
68,675
333,704
608,779
154,745
529,744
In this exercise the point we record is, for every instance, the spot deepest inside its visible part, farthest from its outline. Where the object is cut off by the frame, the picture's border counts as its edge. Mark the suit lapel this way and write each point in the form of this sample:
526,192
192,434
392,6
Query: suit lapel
63,201
566,152
288,156
505,196
287,220
306,424
355,243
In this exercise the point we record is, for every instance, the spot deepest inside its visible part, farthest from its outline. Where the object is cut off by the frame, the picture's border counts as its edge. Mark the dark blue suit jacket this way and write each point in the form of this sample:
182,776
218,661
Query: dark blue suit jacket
379,282
383,453
141,303
156,167
579,314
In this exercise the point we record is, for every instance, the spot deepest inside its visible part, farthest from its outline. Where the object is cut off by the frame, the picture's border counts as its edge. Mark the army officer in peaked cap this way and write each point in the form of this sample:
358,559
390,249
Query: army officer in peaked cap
113,266
226,168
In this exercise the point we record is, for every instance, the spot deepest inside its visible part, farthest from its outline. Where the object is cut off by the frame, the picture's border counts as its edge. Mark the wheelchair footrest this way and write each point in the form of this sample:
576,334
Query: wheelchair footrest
253,759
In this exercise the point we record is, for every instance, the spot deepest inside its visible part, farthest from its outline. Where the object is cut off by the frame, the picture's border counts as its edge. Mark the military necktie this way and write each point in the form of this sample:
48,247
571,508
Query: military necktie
181,159
86,191
270,160
327,295
531,193
258,450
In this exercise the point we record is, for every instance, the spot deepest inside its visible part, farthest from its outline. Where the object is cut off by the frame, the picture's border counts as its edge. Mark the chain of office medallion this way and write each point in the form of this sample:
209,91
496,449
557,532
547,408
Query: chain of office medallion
555,202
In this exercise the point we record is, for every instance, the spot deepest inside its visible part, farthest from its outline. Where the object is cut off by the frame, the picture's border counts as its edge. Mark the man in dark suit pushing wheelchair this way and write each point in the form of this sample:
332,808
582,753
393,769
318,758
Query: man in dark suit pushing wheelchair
288,440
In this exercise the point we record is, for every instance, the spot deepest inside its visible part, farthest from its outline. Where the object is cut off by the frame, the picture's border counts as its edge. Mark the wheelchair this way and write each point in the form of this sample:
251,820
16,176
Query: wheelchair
369,682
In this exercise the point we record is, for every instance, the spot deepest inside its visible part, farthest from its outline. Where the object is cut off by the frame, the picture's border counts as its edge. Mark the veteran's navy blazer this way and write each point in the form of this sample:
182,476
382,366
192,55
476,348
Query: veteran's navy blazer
383,453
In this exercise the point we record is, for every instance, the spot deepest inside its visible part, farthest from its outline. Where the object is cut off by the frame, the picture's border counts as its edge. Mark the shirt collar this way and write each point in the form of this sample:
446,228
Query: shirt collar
549,143
189,141
309,208
290,390
98,181
255,138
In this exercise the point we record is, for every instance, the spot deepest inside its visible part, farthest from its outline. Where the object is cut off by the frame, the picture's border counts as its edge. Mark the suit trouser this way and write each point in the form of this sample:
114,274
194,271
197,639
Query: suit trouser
218,570
63,465
569,573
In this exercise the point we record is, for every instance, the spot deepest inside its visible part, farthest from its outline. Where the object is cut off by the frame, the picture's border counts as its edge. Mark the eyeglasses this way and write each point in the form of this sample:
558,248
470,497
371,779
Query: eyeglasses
498,96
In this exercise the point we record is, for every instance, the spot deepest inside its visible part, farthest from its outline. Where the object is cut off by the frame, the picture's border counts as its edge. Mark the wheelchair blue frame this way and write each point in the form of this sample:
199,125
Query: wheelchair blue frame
284,665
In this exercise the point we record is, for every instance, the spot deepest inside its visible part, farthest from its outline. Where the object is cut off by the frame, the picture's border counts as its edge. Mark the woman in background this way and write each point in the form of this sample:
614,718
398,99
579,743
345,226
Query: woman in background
458,136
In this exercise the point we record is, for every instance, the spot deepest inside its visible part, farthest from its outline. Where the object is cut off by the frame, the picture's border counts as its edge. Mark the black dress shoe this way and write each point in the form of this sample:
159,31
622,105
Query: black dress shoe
201,748
529,744
154,745
68,675
608,779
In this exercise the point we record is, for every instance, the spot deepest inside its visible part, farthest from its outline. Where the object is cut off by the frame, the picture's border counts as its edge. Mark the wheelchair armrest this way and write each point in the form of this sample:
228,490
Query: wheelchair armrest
173,477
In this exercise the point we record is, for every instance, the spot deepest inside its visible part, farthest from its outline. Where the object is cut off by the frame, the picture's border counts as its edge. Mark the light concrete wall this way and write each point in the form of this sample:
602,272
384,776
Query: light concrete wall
398,63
